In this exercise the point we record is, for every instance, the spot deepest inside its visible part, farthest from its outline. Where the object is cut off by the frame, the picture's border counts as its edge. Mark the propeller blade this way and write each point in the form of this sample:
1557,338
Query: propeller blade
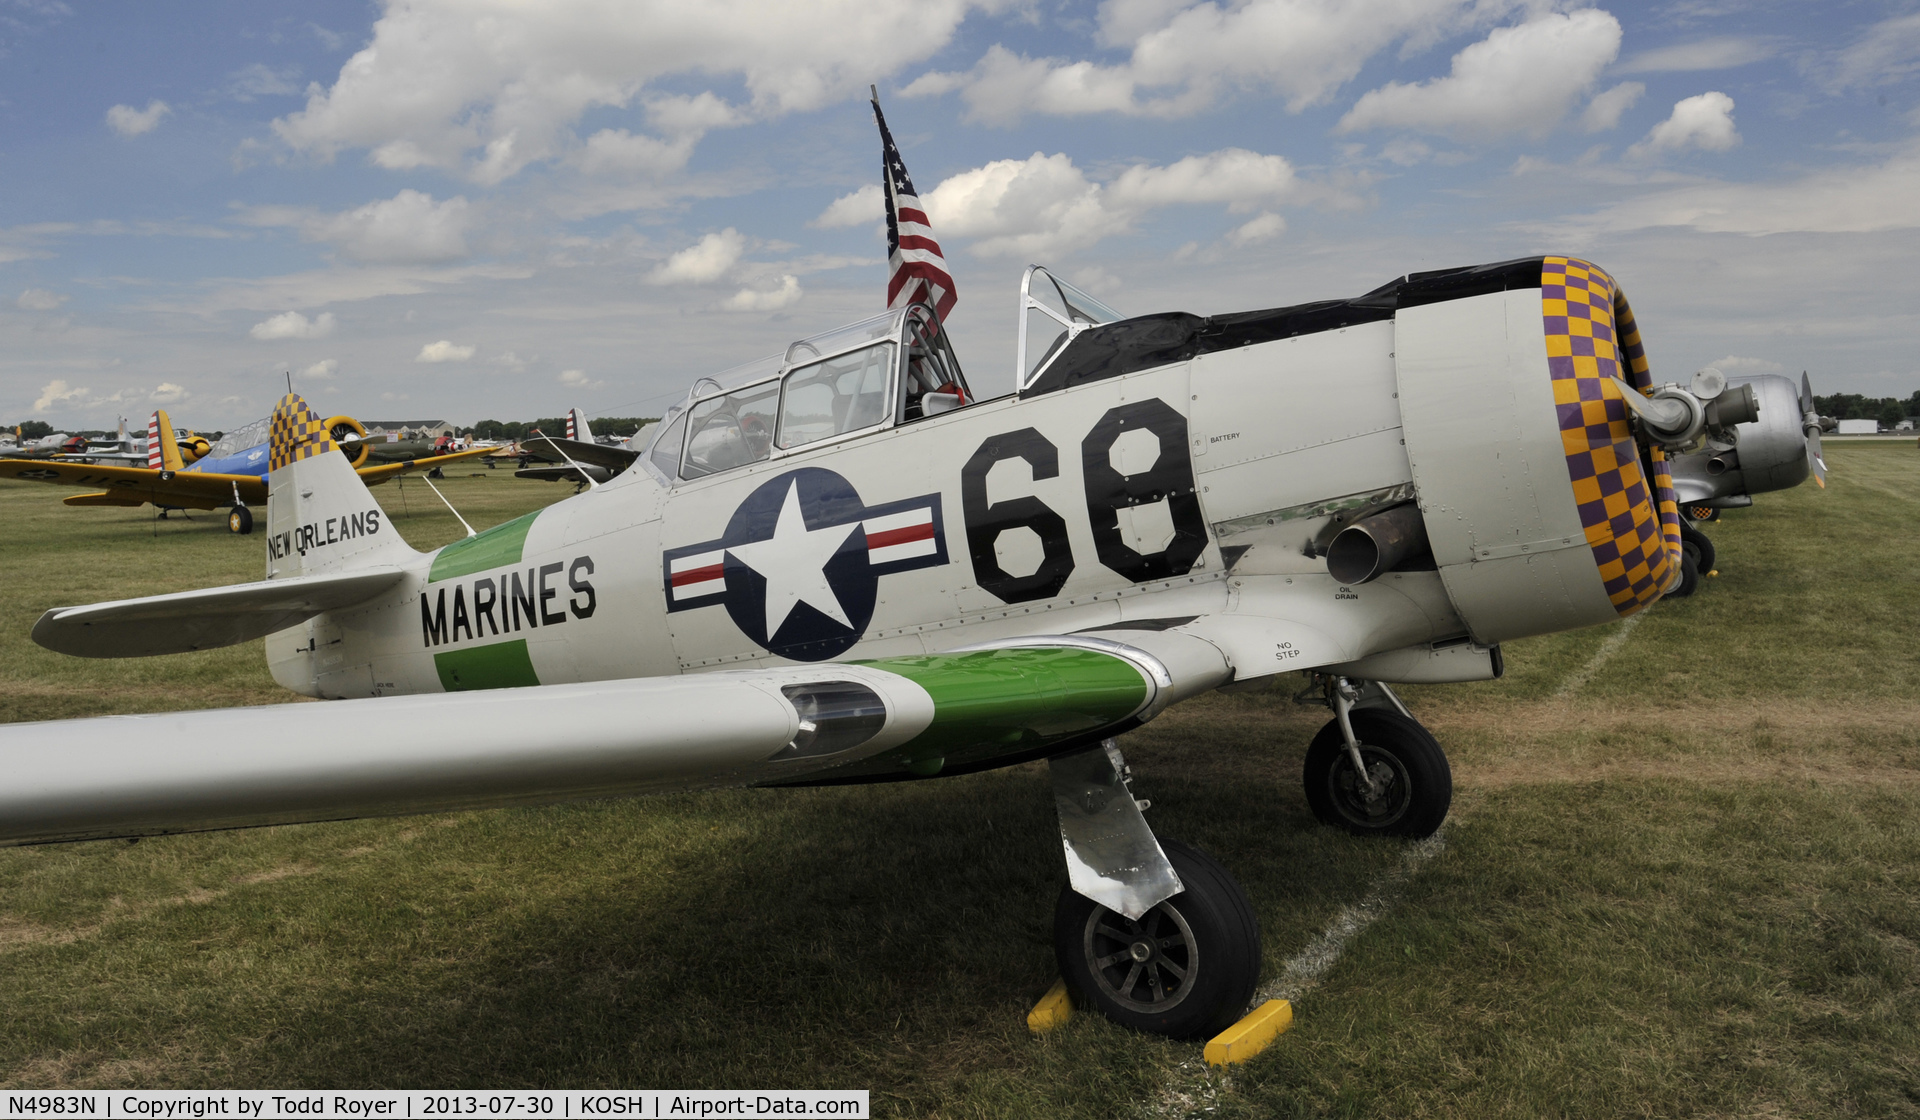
1810,421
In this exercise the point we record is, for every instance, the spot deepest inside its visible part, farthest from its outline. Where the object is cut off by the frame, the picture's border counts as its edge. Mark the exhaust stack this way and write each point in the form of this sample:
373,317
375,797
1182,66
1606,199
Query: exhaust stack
1374,544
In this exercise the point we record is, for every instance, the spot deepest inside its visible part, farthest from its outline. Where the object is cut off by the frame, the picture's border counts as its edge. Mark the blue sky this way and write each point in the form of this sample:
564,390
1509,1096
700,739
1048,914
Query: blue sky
506,209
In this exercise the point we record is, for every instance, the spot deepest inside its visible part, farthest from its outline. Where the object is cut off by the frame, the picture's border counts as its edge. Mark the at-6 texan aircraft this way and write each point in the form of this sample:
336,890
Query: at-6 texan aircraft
835,566
199,475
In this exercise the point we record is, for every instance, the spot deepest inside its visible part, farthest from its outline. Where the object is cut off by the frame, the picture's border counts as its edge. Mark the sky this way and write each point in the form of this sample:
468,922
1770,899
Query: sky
467,209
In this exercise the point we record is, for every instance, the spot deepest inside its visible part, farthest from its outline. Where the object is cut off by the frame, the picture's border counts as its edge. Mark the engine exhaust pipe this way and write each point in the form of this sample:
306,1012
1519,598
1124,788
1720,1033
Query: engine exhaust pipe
1371,546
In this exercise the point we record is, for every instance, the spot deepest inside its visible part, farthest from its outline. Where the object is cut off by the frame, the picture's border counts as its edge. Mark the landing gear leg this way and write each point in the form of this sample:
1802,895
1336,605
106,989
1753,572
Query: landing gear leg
1374,770
1156,935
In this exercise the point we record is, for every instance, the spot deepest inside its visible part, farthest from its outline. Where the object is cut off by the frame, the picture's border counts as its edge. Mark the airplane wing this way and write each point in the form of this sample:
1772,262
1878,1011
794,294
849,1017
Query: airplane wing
205,619
373,476
137,485
613,459
892,718
562,472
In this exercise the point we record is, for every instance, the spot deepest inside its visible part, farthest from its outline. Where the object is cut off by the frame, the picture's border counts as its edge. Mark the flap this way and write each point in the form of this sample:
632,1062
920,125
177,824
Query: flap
205,619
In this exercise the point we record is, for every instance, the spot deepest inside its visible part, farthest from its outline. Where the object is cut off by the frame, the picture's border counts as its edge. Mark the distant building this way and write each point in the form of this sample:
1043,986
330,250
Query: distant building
1859,427
408,429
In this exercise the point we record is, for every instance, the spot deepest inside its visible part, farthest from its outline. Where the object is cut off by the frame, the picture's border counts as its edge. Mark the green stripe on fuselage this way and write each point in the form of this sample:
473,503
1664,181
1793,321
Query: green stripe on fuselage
500,665
1007,702
495,548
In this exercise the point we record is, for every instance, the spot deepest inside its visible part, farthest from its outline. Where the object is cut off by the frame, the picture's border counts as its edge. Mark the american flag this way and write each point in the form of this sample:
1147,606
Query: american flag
915,268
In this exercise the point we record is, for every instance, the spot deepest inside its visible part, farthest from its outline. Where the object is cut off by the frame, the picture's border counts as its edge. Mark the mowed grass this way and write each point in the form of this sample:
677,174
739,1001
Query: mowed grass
1682,882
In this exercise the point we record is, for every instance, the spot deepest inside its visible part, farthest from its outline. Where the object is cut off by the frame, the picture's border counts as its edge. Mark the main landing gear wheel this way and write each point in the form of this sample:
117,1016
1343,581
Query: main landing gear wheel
240,520
1689,575
1186,969
1412,785
1702,547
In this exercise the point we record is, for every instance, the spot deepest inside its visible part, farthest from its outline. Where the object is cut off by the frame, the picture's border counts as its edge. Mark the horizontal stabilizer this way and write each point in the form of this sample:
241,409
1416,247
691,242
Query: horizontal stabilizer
205,619
613,459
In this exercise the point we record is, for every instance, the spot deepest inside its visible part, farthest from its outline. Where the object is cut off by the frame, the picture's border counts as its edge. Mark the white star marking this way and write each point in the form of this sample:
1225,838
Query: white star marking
794,562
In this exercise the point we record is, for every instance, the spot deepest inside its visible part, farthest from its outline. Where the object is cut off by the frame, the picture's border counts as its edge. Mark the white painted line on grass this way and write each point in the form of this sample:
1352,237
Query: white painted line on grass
1195,1087
1601,656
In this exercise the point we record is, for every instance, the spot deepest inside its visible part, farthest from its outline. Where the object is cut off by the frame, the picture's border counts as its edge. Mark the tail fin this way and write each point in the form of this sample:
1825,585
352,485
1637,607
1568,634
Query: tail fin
320,515
577,426
163,454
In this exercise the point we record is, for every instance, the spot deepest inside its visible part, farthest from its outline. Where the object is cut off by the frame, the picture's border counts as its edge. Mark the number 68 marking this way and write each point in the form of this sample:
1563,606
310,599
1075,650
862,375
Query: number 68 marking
1169,479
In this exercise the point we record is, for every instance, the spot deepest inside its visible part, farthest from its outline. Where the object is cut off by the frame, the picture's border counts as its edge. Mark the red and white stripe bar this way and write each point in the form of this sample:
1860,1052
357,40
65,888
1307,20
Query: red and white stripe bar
690,577
906,535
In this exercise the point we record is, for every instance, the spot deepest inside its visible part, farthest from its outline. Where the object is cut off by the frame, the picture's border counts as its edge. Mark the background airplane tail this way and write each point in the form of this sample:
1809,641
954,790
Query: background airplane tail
163,453
577,426
320,515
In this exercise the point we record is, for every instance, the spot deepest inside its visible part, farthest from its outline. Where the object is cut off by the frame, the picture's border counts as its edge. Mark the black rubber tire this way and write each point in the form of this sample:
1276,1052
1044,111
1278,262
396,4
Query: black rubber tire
1703,554
1689,576
240,520
1215,939
1420,789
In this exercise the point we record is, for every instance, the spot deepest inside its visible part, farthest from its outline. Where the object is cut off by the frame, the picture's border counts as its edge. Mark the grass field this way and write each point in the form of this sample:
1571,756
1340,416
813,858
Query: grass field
1682,878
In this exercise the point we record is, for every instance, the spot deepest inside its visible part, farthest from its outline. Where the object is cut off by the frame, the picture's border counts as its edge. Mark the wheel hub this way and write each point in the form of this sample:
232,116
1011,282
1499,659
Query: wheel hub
1149,965
1379,798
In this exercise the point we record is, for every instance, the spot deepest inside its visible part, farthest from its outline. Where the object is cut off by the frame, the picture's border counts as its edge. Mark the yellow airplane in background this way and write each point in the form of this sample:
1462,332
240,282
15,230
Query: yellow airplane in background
232,472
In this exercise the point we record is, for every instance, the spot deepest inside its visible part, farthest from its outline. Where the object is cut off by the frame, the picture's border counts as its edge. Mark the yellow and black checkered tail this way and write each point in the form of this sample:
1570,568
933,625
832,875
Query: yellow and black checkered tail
296,433
320,515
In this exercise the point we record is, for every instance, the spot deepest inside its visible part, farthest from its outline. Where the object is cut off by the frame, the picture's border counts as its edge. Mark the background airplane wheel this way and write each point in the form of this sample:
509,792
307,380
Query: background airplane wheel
1186,969
1416,784
240,520
1703,554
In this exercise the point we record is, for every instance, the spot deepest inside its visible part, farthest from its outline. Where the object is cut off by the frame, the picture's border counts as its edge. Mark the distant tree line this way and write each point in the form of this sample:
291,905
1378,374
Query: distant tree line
622,426
1889,411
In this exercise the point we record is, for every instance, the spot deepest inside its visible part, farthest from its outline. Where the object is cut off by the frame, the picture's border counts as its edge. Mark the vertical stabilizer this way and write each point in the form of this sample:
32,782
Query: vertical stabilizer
163,453
320,516
577,426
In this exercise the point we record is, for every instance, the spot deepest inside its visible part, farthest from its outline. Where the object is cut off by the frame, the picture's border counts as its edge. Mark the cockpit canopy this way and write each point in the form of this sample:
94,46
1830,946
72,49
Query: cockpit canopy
894,368
891,369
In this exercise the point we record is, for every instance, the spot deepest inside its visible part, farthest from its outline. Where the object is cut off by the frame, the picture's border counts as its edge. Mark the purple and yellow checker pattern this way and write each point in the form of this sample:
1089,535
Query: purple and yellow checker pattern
1634,532
296,433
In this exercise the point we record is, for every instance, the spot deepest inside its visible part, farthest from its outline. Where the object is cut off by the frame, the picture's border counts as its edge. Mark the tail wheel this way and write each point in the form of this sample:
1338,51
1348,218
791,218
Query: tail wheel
1186,969
1411,787
240,520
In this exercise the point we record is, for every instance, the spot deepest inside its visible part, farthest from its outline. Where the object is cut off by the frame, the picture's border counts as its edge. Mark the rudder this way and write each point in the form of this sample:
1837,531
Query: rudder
320,515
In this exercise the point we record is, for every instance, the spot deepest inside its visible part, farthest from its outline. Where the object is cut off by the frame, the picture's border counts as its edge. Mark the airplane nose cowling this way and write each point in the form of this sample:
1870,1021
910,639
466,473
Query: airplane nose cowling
1543,511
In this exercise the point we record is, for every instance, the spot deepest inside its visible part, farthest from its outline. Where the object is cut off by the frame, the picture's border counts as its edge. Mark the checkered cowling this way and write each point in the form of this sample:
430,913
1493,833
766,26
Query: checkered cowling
1591,338
296,433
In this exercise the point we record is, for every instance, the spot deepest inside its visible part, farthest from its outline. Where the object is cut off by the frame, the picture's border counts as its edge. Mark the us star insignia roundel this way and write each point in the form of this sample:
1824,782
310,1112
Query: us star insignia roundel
800,565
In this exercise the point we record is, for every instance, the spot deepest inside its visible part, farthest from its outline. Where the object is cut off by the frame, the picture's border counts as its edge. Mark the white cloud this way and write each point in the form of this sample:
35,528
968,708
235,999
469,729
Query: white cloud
747,299
1735,364
292,324
488,89
1703,121
1043,205
1266,227
1186,57
261,80
129,121
1887,52
39,299
1722,53
1603,112
578,379
408,228
443,351
615,150
322,370
168,393
1518,80
868,204
1869,198
57,393
704,262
